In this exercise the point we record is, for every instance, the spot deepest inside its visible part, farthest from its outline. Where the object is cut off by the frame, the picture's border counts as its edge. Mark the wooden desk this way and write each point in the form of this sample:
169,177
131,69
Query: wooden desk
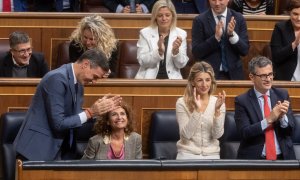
160,170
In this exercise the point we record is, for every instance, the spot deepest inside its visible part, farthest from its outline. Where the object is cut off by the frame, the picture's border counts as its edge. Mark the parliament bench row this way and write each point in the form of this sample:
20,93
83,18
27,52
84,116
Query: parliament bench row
127,63
163,135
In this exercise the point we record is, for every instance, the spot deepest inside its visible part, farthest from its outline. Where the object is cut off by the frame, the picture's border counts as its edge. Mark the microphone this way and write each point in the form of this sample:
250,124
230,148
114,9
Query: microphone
132,6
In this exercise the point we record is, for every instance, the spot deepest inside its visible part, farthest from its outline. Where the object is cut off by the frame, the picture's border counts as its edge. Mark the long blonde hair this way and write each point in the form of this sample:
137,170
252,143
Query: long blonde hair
199,67
102,32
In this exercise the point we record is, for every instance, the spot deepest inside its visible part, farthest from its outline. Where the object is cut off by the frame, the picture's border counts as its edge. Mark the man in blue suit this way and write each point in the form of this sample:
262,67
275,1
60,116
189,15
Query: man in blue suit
262,110
47,133
219,36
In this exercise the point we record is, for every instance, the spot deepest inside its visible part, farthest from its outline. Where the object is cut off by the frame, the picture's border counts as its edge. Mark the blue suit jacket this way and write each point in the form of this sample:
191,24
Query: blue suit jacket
248,118
53,111
206,47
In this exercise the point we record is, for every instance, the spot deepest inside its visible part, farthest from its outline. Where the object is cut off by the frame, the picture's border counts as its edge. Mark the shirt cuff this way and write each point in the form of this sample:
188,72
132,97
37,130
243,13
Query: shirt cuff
264,124
83,117
235,38
284,121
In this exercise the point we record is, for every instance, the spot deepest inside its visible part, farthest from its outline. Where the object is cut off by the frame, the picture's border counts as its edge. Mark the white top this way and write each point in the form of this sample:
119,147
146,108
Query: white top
199,132
296,76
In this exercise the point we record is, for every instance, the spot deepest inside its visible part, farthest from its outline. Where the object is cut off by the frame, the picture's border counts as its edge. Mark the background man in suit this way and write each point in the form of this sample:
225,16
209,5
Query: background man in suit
123,6
20,61
219,36
47,133
264,117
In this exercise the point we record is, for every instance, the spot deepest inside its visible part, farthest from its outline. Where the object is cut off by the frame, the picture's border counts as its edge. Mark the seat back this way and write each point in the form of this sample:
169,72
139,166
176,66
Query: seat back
230,141
296,136
10,125
164,134
4,46
62,54
128,63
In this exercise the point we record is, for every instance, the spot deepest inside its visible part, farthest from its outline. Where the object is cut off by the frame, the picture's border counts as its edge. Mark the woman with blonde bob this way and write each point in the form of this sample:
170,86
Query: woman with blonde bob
162,46
94,32
115,138
200,115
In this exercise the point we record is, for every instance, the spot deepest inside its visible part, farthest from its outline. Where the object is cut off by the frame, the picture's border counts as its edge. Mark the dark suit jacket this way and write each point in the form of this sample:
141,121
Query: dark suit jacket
53,111
248,116
113,4
206,47
283,57
37,67
76,51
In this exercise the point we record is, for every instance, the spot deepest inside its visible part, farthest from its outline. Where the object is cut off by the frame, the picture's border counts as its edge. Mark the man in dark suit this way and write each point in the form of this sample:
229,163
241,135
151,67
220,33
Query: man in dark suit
49,129
264,117
219,36
20,61
123,6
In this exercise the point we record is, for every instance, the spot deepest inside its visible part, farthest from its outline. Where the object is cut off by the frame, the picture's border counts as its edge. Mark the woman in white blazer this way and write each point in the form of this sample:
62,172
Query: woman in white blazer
162,46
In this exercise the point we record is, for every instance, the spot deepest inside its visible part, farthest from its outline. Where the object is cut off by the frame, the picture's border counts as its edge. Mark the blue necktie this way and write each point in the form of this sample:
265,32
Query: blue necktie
222,46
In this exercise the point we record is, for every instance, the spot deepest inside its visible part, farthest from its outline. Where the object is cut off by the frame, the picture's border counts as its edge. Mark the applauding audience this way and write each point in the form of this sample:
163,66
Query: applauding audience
220,37
285,45
162,46
200,115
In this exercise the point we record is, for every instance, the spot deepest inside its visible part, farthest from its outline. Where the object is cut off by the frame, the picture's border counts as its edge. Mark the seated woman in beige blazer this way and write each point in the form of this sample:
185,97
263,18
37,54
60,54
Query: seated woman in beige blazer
115,138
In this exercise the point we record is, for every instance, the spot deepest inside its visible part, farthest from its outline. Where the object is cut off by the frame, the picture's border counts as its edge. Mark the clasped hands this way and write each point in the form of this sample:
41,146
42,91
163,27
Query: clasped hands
175,46
105,104
220,28
280,109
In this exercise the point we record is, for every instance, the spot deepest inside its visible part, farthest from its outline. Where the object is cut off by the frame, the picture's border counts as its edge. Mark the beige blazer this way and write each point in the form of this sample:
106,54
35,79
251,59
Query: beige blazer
98,147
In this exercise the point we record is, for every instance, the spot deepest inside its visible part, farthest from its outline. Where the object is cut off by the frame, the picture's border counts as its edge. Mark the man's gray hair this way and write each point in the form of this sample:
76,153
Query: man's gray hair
258,61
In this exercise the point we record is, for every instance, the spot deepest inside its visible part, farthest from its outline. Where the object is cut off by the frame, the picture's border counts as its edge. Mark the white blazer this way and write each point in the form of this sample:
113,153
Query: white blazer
149,58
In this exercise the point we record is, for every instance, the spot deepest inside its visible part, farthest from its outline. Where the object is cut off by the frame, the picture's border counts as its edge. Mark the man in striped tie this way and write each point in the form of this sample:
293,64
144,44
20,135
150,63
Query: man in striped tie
264,117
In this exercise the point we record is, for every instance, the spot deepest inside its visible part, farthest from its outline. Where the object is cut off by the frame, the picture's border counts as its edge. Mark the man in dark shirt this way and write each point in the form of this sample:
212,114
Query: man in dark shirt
20,61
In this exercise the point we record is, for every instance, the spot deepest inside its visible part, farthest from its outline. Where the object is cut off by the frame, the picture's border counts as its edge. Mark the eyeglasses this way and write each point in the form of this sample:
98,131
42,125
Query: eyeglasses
265,76
23,51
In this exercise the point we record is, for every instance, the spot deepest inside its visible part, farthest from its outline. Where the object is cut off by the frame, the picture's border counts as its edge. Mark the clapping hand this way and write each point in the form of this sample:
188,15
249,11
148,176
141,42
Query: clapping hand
197,100
161,45
280,109
176,45
105,104
219,30
231,26
220,100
